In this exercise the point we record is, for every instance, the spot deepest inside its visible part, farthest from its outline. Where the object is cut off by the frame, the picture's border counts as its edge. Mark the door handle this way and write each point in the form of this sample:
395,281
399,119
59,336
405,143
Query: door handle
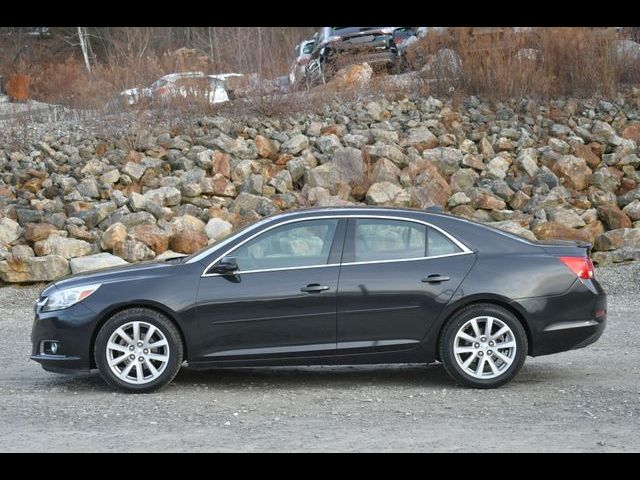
435,279
314,288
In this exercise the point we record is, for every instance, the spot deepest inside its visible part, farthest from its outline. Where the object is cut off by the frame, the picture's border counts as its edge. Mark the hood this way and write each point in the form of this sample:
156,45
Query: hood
114,274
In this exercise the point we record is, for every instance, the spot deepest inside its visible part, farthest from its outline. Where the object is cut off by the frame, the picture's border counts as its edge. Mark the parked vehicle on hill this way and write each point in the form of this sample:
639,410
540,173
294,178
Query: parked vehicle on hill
337,47
302,54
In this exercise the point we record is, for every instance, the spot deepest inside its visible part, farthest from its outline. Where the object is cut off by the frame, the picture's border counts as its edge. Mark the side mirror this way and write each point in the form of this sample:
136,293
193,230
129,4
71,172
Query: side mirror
226,265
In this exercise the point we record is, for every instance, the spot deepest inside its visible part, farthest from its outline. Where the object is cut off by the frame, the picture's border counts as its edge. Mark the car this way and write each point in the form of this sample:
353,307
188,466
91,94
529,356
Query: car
327,286
337,47
302,54
184,84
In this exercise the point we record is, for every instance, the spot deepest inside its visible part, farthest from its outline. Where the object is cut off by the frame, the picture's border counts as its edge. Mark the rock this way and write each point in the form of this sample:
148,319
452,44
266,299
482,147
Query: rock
519,200
152,236
387,193
463,179
34,269
61,246
385,170
587,153
624,254
116,232
604,133
447,159
613,218
217,228
346,166
566,217
266,148
22,251
574,170
10,231
168,255
328,143
513,227
134,170
632,132
246,203
188,241
221,186
390,152
557,231
606,178
458,198
527,161
497,167
38,231
352,76
132,250
295,144
282,181
632,210
421,138
93,216
95,262
485,200
187,223
618,238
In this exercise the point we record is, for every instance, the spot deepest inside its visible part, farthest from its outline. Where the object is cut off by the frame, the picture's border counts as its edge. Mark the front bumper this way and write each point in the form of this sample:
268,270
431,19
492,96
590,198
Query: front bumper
564,322
73,328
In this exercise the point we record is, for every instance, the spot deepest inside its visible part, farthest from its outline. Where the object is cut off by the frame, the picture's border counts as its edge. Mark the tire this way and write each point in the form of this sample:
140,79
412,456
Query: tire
456,349
165,357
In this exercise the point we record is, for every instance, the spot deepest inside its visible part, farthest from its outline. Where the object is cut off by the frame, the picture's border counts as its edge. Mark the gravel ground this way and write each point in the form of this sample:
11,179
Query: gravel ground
584,400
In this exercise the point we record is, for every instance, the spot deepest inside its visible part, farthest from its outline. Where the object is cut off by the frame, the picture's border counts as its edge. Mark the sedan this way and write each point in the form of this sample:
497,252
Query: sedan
352,285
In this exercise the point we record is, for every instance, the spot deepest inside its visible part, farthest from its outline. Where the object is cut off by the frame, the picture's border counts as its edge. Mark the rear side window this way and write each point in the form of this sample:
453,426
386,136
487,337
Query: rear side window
439,244
377,240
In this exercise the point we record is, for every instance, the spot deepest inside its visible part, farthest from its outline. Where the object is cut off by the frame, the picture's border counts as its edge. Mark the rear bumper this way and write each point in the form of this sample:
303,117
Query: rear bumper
564,322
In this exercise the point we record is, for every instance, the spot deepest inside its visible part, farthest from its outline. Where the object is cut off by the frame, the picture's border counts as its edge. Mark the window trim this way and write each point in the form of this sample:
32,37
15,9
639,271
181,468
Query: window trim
465,250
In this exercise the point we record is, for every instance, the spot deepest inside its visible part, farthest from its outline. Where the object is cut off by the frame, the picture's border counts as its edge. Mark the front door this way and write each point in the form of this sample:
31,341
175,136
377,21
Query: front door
281,302
396,277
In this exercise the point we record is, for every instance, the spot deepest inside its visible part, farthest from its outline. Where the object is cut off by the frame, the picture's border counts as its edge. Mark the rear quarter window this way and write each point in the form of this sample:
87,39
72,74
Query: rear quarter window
438,244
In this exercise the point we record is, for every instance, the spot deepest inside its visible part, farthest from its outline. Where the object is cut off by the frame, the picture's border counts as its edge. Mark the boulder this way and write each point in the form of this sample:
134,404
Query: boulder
10,231
389,194
132,250
188,241
152,236
574,171
613,218
557,231
95,262
34,269
217,228
60,246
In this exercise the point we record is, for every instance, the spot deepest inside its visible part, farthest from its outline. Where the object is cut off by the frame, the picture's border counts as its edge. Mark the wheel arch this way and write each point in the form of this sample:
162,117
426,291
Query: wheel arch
106,315
483,299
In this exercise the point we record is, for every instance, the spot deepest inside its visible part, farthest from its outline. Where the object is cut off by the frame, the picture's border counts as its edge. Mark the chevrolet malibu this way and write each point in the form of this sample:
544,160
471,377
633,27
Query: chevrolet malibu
329,286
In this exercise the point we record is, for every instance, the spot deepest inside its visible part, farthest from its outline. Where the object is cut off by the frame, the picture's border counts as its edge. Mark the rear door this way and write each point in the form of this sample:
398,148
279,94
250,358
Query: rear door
396,277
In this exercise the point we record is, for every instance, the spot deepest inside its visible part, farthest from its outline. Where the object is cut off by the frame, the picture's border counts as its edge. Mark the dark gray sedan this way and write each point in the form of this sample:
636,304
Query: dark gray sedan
329,286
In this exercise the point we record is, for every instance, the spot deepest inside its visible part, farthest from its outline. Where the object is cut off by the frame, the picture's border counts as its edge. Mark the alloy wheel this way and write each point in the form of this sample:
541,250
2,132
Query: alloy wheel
484,347
137,352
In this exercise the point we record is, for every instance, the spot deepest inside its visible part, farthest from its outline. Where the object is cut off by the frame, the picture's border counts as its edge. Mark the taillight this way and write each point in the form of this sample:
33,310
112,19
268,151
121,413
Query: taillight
581,266
161,90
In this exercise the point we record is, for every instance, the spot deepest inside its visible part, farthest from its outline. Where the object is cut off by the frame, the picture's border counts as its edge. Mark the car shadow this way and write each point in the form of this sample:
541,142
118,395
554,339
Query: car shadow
342,376
327,377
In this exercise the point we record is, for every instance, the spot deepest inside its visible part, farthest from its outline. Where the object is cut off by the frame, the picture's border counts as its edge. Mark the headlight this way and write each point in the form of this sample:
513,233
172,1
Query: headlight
67,297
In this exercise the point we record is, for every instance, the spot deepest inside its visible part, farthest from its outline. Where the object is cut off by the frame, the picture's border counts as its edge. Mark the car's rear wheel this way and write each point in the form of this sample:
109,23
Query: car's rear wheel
483,346
138,350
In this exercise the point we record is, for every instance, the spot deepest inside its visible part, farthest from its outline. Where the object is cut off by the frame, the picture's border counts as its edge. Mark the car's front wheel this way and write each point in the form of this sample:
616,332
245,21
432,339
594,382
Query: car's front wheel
138,350
483,346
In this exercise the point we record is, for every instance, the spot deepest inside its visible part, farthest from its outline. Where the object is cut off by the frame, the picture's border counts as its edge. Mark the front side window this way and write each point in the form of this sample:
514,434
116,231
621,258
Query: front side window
377,240
301,244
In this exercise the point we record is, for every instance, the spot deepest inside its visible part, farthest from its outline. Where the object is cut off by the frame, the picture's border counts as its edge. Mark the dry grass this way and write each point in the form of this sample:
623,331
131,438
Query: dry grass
545,62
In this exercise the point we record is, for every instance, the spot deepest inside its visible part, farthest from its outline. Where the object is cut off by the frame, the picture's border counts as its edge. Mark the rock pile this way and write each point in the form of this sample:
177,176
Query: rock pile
568,169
